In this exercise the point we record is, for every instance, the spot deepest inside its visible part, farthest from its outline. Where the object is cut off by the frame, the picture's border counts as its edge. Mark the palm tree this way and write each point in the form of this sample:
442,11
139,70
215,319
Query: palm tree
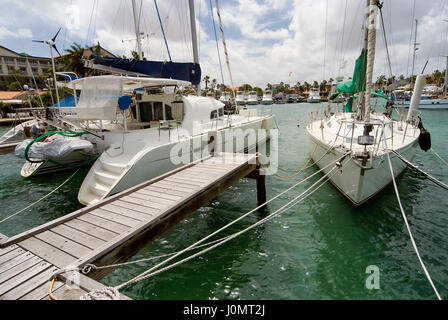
74,62
381,80
213,84
206,80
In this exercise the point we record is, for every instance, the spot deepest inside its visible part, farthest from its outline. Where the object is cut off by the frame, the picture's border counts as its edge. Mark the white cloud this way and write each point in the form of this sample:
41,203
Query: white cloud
266,39
19,33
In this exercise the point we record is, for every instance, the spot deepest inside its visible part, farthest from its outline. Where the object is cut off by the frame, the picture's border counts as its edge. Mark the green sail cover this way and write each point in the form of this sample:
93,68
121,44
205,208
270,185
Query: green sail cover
379,94
348,107
358,82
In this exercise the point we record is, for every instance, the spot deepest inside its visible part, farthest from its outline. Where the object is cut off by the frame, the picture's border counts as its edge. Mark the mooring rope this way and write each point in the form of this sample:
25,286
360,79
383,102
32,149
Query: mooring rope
412,166
337,164
438,156
36,202
409,229
285,207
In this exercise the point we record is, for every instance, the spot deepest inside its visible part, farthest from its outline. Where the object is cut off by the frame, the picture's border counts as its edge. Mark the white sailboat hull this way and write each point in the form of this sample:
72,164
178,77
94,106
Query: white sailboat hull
358,184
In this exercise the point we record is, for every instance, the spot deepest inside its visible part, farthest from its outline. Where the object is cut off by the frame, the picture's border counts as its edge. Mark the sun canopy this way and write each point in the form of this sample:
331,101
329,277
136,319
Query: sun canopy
129,83
185,71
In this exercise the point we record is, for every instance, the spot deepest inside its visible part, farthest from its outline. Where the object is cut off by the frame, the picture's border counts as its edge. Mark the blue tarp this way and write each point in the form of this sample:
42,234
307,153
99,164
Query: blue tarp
66,102
168,70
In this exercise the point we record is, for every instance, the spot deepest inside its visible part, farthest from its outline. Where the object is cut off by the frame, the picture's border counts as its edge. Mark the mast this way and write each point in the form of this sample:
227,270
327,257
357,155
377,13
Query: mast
364,47
137,30
415,50
371,42
194,37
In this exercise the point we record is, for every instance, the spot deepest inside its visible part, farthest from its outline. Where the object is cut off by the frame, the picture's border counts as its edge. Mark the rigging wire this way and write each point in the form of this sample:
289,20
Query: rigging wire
409,229
410,39
216,40
163,31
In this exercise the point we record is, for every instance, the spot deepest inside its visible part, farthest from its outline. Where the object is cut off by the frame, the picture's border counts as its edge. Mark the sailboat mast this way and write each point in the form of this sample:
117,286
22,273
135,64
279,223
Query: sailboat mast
371,42
194,37
361,100
415,50
137,30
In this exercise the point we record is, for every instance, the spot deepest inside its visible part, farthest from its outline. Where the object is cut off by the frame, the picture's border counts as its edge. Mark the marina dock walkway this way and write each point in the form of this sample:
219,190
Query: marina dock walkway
113,230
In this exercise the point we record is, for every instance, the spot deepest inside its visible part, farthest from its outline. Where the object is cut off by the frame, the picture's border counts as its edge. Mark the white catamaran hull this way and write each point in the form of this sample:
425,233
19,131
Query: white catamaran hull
354,182
110,174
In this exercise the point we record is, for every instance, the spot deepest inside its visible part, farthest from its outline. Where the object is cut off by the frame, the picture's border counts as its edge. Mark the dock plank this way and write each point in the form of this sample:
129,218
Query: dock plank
41,291
11,254
15,261
134,207
166,190
17,269
151,197
16,281
95,231
47,252
41,279
64,244
145,203
159,194
118,218
104,223
6,250
113,207
80,237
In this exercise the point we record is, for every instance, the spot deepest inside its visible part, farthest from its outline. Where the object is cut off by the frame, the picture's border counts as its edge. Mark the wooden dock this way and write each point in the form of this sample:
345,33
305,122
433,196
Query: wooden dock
115,229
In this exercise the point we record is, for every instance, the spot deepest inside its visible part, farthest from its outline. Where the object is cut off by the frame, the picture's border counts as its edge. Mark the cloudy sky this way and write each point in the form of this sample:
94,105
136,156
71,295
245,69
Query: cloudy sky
267,39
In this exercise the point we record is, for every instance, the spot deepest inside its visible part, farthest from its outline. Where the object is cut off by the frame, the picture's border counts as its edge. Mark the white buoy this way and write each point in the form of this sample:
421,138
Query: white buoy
415,100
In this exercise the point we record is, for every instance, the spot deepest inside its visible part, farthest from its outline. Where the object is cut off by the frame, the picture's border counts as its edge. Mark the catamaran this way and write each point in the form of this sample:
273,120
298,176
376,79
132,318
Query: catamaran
138,127
365,137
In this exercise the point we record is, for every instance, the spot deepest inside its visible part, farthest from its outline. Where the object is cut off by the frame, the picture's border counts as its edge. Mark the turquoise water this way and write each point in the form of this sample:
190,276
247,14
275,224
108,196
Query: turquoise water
319,249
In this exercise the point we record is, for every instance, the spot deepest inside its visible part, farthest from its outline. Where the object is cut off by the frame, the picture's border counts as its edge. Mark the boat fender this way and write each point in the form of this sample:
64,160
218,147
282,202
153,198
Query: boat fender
424,140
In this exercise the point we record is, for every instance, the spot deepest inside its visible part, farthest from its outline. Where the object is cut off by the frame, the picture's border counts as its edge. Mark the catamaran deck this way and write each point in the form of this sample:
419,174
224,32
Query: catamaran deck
114,229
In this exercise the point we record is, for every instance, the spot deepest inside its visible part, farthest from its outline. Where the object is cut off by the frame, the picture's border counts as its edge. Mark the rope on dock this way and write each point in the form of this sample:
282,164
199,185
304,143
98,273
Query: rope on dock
415,168
438,156
36,202
91,267
409,229
337,165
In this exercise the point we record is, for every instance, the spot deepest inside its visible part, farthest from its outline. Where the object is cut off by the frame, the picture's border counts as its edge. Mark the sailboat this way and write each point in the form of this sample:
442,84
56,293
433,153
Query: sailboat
365,137
142,126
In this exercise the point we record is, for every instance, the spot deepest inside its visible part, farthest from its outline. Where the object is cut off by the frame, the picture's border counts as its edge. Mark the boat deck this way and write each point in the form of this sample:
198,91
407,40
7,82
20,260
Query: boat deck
114,229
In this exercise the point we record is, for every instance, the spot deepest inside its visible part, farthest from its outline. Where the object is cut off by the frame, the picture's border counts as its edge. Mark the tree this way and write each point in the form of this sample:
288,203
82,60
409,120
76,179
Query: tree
74,62
381,80
213,84
15,86
259,91
315,84
246,87
206,80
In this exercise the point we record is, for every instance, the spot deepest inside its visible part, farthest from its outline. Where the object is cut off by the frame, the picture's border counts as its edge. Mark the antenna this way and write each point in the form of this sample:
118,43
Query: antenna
51,43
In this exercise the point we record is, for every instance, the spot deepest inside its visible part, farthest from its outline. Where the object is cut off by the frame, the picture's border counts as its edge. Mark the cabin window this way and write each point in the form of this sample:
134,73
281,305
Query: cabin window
146,114
158,111
214,114
221,112
168,113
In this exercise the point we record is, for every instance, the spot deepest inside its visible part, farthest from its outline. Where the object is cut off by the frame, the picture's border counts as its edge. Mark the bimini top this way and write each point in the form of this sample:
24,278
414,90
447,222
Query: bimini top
128,83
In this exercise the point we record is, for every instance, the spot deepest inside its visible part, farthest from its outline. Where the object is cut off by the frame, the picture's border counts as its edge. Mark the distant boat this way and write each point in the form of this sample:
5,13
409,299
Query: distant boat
267,97
240,98
314,96
252,98
427,103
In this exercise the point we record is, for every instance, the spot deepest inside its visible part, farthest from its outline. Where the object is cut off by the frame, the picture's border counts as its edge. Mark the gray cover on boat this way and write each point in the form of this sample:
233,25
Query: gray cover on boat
56,149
